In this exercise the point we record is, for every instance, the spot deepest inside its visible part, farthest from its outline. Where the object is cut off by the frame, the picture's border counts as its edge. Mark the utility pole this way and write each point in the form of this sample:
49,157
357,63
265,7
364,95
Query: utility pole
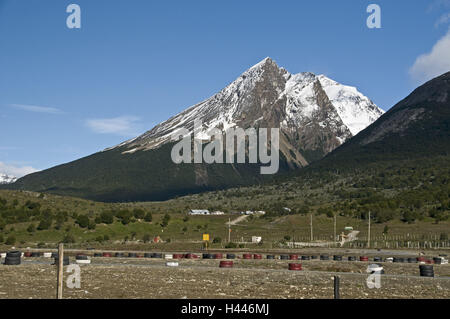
334,240
229,230
312,238
368,234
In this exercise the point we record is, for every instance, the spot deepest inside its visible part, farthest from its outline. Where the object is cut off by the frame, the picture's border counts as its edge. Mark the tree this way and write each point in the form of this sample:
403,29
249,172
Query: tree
69,239
11,240
217,240
385,230
44,224
165,221
148,217
106,218
31,228
82,221
138,213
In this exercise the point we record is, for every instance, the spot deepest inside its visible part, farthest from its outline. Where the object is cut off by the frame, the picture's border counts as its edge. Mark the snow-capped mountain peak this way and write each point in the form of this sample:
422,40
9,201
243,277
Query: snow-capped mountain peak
6,179
308,108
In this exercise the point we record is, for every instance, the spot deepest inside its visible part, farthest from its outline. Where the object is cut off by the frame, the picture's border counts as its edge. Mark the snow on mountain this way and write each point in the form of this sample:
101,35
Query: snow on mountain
6,179
307,107
356,110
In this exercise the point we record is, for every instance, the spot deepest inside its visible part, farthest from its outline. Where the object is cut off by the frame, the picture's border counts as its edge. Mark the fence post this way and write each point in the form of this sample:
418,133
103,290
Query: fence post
336,287
60,272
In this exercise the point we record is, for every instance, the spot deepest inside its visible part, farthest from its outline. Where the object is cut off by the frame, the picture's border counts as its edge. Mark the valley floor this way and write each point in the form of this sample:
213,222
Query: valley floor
149,278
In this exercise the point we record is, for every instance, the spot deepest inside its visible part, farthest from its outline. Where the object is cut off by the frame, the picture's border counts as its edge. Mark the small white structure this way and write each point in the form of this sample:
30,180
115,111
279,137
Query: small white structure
256,239
217,213
199,212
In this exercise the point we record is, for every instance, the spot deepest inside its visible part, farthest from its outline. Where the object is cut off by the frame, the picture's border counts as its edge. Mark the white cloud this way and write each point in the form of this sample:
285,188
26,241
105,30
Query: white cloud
16,171
434,63
443,19
37,109
122,125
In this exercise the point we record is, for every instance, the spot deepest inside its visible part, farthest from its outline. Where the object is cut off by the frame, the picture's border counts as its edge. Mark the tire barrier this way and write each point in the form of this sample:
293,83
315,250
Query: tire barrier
148,255
351,258
157,255
119,255
306,257
421,259
226,264
106,255
28,254
132,255
412,260
377,259
247,256
314,257
178,256
168,256
257,256
66,260
337,258
398,260
218,256
208,256
3,255
426,271
363,258
295,267
231,256
293,257
82,259
284,257
324,257
98,255
437,260
47,255
35,255
190,256
13,258
270,257
429,262
172,264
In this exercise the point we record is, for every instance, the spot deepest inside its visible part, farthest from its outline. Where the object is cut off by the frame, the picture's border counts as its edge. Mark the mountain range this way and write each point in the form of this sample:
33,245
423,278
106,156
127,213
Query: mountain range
7,179
322,122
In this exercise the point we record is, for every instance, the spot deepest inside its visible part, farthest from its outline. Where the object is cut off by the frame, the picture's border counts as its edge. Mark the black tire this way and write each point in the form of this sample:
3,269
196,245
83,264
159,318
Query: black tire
337,258
324,257
377,259
351,258
12,261
437,261
270,257
425,267
98,255
118,255
314,257
427,274
306,258
284,257
232,256
147,255
81,257
132,255
55,255
14,253
157,255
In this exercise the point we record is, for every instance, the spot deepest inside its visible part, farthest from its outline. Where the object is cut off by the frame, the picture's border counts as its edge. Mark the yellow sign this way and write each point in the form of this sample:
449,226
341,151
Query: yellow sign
205,237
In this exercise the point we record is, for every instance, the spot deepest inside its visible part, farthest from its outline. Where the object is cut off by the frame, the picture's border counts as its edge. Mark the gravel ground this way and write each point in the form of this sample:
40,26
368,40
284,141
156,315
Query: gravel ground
147,278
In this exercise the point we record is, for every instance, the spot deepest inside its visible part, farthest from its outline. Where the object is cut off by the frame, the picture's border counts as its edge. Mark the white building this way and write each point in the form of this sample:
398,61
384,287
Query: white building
256,239
199,212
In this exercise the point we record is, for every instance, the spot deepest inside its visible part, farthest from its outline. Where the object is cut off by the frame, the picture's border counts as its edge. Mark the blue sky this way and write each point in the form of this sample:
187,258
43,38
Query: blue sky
67,93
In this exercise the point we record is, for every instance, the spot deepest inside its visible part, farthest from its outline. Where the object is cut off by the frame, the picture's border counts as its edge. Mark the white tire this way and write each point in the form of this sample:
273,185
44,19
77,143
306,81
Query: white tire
168,256
47,255
83,261
172,264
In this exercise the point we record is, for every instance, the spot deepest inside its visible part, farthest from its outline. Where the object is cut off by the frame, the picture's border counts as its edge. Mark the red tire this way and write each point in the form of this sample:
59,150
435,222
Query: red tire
247,256
178,256
108,255
257,256
363,258
218,256
226,264
293,257
295,267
